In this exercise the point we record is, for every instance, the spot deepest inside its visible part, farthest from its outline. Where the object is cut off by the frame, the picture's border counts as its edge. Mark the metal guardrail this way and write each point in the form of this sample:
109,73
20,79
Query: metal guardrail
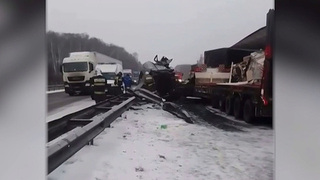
59,126
145,94
79,128
60,151
55,87
167,106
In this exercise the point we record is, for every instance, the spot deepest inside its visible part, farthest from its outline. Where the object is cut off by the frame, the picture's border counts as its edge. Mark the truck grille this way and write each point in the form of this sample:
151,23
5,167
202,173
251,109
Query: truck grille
76,78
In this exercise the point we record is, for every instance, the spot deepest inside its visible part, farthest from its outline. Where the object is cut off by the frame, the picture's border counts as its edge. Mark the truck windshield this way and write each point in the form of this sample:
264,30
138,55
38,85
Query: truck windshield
109,76
136,74
75,67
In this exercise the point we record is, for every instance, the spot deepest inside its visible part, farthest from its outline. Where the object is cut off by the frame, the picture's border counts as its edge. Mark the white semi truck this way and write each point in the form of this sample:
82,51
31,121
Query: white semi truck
79,67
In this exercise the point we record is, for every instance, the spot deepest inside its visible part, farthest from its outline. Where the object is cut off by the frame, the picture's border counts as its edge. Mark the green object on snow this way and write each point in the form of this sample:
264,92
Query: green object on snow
164,126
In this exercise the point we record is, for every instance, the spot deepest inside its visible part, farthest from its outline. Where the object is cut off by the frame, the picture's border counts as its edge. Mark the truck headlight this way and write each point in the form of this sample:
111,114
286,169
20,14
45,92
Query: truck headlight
87,84
67,85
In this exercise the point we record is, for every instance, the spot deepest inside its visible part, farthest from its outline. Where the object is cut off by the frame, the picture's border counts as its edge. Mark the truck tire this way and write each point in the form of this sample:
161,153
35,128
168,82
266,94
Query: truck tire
248,112
237,108
222,104
71,93
215,102
229,105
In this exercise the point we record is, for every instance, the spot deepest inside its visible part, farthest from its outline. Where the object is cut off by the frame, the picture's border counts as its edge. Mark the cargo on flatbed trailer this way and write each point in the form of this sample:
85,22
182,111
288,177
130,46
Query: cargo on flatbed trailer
247,92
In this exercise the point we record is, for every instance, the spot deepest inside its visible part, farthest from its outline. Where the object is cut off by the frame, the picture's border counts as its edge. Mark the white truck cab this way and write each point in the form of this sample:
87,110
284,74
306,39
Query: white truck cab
110,70
79,68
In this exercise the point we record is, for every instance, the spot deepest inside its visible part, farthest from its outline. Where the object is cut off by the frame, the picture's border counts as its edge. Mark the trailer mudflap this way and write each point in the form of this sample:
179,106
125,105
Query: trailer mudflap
263,111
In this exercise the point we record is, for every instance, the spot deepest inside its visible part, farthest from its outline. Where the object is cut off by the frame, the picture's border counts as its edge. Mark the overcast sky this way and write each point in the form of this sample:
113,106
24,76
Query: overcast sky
178,29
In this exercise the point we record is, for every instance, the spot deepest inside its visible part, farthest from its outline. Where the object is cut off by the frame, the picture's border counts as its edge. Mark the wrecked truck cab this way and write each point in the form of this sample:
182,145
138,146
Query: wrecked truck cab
163,77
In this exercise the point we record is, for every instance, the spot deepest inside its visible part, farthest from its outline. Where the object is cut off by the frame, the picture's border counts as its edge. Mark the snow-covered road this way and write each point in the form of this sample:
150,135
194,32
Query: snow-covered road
69,108
137,148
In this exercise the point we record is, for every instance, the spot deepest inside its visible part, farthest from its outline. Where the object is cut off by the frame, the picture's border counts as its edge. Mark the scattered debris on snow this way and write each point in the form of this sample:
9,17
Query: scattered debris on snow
161,156
136,148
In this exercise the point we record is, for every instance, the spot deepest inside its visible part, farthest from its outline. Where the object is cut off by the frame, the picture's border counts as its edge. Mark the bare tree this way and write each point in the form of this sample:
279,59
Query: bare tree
60,45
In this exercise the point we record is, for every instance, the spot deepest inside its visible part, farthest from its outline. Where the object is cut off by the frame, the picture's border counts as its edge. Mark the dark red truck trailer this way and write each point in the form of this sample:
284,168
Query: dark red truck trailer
247,101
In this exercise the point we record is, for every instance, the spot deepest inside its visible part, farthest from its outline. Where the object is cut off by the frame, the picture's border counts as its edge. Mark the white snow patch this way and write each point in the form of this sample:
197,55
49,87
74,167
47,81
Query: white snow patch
55,91
190,97
68,109
137,148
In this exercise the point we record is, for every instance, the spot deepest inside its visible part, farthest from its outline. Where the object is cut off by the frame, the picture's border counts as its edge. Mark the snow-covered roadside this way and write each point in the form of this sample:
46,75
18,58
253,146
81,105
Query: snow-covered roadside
137,148
71,108
55,91
223,114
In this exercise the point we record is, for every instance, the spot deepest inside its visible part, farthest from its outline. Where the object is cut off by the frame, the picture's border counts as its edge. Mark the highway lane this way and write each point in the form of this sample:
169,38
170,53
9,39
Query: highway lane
60,99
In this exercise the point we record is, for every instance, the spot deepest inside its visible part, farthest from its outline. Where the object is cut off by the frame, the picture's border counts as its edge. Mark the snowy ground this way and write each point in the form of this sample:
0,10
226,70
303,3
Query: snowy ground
137,148
71,108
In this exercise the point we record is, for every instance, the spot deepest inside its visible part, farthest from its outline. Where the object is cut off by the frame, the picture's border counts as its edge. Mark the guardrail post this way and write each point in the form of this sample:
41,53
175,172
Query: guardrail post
90,142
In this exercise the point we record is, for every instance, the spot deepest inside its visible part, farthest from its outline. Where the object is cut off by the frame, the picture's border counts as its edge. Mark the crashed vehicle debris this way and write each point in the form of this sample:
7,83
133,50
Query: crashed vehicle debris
160,78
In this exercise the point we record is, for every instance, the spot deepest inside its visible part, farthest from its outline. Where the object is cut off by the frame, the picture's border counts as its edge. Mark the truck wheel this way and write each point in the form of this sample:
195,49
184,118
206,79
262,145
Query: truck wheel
222,104
215,102
229,105
248,112
71,93
237,108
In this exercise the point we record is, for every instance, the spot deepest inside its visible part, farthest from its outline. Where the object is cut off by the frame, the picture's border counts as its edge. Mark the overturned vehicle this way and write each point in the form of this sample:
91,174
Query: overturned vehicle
159,77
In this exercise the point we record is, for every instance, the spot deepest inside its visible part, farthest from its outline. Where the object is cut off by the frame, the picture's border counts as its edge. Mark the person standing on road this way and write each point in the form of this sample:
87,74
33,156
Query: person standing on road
99,87
127,81
119,82
140,76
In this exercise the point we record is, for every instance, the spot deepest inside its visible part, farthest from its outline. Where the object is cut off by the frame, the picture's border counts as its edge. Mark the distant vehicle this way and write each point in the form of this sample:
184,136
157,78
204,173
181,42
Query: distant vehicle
179,77
78,68
127,72
110,70
182,72
135,77
184,69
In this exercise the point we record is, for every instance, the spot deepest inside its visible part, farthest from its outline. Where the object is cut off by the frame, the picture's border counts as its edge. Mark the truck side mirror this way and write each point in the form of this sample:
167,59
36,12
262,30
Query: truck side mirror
61,68
90,67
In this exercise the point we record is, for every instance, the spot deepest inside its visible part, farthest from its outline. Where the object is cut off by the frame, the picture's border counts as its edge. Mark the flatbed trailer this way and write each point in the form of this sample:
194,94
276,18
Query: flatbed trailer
245,100
242,101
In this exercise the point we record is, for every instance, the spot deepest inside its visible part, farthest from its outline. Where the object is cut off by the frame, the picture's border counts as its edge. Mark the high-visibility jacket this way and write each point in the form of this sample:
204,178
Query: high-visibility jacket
148,80
127,81
118,81
99,88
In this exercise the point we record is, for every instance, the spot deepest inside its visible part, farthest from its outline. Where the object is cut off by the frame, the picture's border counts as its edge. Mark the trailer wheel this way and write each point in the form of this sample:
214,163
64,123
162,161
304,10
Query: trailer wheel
248,112
229,105
214,102
222,104
71,93
237,108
